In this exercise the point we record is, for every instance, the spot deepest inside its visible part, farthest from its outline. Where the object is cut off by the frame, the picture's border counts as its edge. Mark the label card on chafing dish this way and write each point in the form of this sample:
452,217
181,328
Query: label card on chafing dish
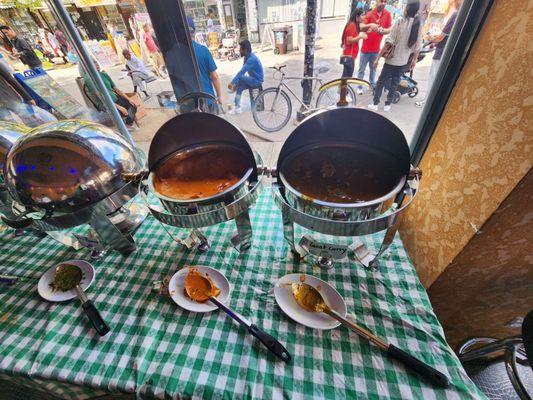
327,250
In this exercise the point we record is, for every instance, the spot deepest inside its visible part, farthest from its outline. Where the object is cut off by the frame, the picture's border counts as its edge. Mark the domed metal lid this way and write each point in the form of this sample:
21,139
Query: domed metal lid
356,127
65,166
9,133
194,129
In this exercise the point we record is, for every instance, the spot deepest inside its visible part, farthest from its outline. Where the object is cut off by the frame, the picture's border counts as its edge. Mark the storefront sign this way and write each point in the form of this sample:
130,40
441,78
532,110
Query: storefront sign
51,92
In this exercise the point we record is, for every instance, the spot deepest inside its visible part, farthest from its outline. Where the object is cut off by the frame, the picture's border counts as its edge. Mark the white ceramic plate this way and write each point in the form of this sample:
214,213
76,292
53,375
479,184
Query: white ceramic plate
176,289
286,302
45,290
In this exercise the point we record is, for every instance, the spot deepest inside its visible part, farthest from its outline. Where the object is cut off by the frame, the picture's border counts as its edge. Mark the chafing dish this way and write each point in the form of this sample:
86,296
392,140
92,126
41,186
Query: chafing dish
344,172
196,152
9,134
65,174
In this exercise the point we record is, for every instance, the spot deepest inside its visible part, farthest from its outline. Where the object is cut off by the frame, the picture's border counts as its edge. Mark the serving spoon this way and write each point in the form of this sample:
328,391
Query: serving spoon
67,277
311,300
271,344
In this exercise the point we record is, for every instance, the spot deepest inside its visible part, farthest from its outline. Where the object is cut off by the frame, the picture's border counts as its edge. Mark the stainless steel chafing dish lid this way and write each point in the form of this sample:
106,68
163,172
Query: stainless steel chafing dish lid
65,166
195,129
9,134
349,125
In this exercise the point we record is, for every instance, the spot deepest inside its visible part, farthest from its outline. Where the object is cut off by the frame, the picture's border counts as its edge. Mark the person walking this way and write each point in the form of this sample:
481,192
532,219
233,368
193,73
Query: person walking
22,48
382,18
62,41
439,41
153,51
207,67
210,23
405,39
351,35
138,72
249,77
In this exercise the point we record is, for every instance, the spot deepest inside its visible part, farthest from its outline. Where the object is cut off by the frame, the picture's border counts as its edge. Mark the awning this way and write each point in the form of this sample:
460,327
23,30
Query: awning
7,4
94,3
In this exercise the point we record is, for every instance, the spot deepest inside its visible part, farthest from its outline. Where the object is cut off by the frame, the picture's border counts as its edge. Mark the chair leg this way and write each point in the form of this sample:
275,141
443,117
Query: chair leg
491,348
512,371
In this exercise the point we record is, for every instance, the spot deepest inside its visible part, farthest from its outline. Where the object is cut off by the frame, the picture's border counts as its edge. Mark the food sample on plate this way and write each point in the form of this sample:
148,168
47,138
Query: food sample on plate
201,173
338,174
200,287
305,297
66,277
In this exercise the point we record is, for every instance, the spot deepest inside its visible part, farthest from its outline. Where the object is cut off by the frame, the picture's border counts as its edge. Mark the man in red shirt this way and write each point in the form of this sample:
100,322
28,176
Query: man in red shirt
380,22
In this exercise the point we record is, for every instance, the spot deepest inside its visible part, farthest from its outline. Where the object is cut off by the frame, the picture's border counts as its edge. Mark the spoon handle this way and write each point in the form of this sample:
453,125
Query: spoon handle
357,329
272,344
428,372
92,313
96,319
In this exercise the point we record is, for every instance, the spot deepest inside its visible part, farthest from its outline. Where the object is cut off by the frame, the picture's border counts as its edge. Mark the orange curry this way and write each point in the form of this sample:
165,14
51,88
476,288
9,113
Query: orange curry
199,287
201,174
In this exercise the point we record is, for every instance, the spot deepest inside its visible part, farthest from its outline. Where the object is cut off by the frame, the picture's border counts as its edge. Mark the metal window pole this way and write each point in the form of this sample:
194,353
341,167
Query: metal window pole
309,57
59,11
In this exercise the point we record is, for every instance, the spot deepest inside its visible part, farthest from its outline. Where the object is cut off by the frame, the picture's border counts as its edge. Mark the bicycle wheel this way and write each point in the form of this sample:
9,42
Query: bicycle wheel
331,95
272,109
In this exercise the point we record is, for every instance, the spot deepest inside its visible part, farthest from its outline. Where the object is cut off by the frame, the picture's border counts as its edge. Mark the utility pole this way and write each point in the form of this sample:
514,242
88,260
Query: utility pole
309,57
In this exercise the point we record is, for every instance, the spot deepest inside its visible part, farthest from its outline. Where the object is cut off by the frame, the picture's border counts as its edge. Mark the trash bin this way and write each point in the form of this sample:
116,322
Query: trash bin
280,39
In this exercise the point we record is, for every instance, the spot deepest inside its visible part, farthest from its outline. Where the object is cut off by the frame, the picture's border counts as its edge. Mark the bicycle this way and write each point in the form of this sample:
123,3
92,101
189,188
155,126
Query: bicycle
272,108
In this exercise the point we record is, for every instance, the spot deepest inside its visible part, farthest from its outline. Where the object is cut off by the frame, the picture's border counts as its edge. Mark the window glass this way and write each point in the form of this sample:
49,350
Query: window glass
122,41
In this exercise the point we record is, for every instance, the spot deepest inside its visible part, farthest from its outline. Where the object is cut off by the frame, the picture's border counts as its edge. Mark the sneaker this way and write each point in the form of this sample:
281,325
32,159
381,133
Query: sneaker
359,90
387,108
373,107
147,97
420,103
236,110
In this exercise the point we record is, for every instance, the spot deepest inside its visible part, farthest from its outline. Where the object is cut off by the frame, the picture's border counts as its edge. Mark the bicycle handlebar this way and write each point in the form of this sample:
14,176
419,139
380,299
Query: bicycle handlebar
279,67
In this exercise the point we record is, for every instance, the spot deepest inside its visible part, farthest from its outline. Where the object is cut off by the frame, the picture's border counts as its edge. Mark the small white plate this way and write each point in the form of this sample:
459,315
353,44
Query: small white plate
45,290
176,289
314,320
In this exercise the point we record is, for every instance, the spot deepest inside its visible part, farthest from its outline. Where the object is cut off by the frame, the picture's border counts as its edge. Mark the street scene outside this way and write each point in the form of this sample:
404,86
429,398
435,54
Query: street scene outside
327,52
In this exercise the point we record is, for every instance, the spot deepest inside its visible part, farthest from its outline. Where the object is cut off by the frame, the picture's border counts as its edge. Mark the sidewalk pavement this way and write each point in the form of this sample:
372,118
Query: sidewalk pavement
404,114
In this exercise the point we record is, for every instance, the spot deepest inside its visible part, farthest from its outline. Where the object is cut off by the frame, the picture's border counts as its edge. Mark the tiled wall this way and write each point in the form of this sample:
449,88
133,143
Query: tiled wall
482,147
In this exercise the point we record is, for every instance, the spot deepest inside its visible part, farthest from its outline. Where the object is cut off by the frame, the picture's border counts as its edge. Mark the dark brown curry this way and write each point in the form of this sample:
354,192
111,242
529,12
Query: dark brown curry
340,175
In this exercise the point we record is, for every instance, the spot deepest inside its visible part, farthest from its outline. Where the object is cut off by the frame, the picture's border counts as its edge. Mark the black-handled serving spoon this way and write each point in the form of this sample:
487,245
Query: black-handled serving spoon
270,342
311,300
67,277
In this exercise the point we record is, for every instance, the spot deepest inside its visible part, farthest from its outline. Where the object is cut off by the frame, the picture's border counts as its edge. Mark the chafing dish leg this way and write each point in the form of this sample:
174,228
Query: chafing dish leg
242,240
365,257
288,232
109,233
324,262
203,244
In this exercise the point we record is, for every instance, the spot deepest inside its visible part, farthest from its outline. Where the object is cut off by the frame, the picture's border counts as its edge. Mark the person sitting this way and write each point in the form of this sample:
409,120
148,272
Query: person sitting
249,77
124,104
138,72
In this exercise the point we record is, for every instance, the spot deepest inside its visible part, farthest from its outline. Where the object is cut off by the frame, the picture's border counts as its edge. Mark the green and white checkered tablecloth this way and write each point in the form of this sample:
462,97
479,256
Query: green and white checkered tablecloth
156,349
